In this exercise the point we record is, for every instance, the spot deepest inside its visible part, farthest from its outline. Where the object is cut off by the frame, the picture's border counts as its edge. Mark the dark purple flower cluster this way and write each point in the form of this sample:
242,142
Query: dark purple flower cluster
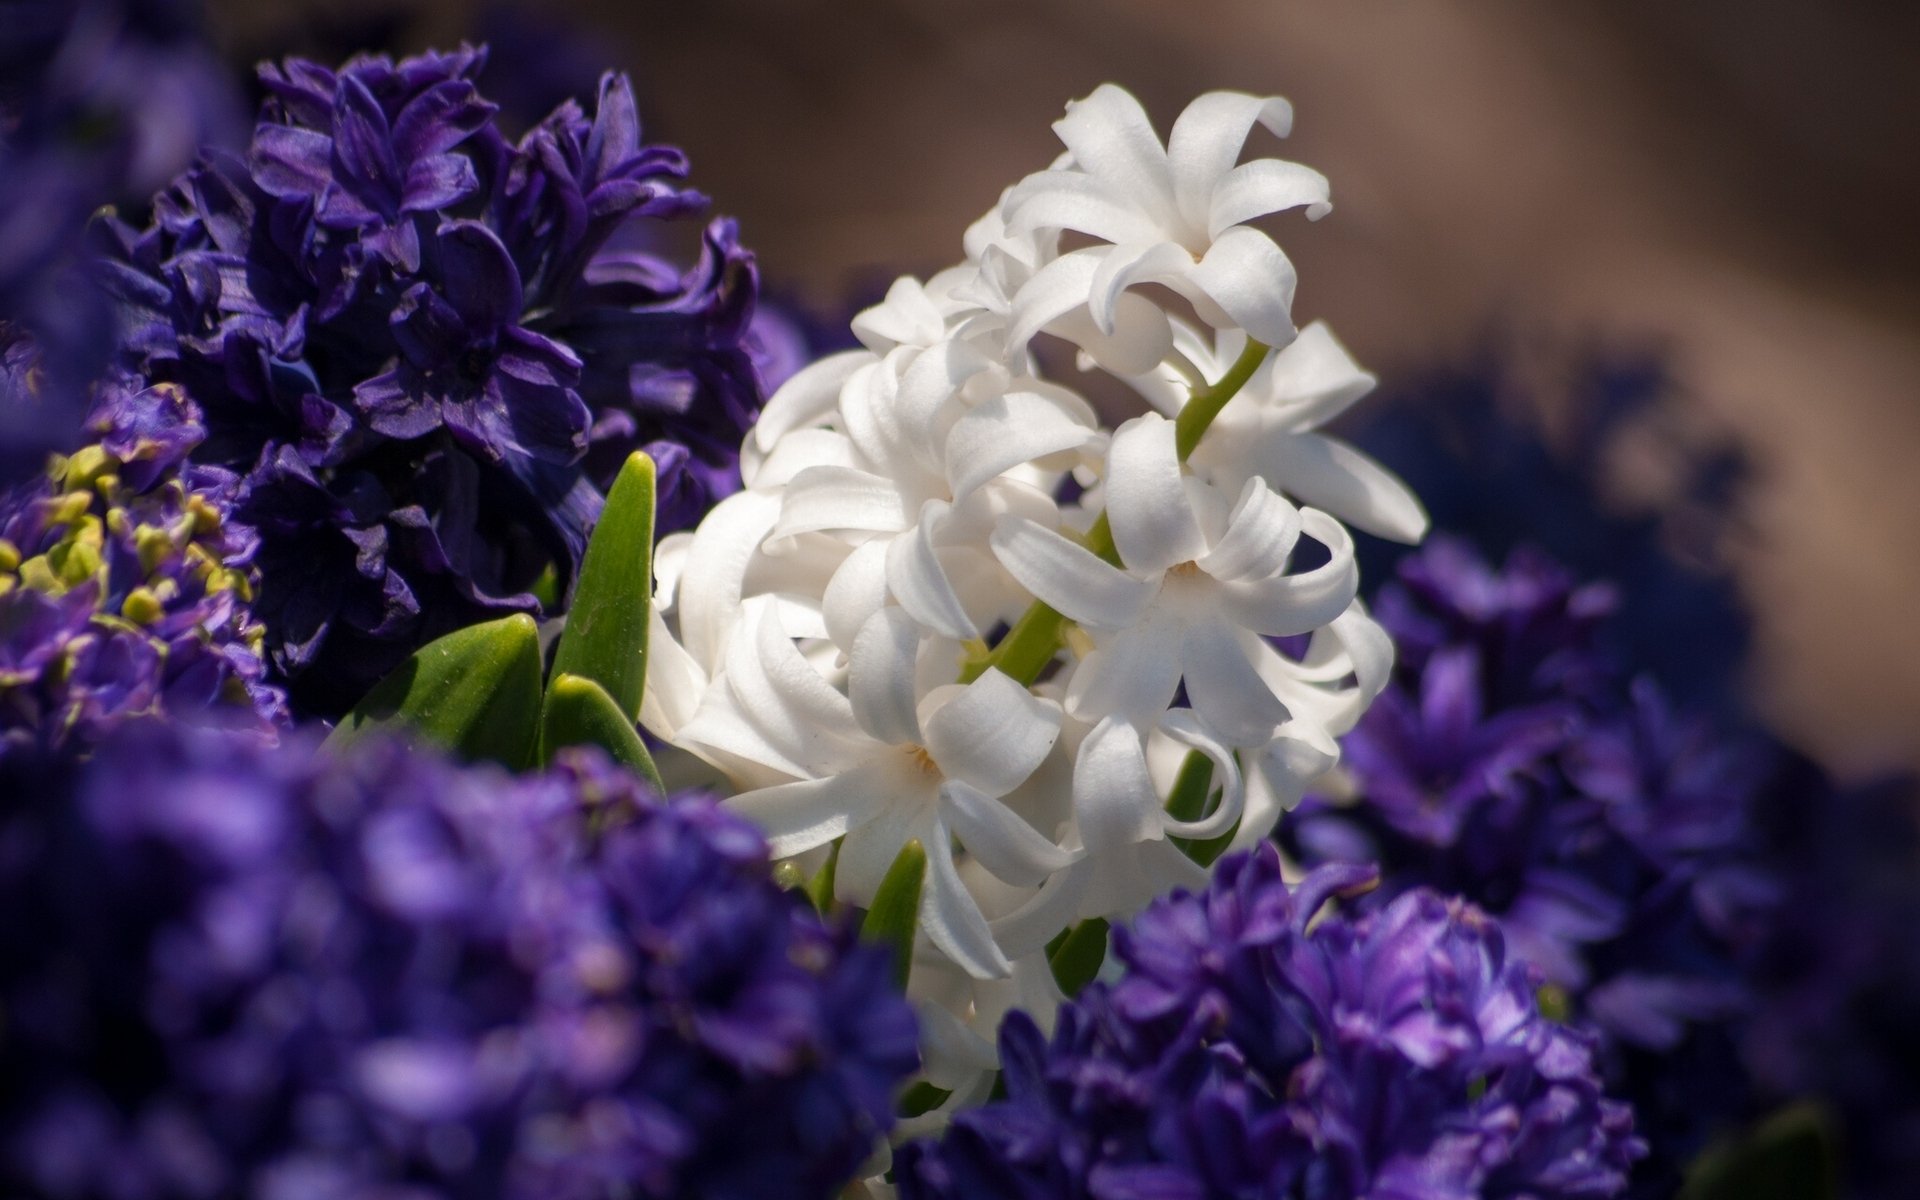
125,590
426,349
1614,838
1251,1051
100,101
230,971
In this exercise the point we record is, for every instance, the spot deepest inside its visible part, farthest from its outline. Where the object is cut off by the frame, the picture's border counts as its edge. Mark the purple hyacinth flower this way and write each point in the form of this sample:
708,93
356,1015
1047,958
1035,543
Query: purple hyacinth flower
1250,1049
233,971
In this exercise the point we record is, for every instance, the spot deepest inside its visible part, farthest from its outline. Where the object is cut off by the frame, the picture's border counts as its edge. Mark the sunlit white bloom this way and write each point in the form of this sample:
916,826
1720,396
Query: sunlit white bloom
886,763
1172,214
1206,580
1270,430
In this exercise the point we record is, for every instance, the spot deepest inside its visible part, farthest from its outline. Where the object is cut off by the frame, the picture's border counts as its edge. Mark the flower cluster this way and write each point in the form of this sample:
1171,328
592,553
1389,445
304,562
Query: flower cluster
1614,838
426,349
904,629
100,101
125,589
230,971
1245,1052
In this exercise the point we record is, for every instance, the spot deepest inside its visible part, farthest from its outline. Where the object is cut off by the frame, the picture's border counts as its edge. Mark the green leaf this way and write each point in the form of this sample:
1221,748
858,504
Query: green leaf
820,887
1076,955
475,691
1788,1156
606,635
921,1099
895,913
579,712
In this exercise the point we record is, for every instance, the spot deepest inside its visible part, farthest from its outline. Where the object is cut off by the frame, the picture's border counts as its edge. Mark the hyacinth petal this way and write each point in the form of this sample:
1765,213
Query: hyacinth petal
1069,577
1142,335
1113,795
906,317
1286,605
478,276
1315,379
856,592
808,397
1027,929
881,676
950,918
1058,288
1333,476
1267,185
993,734
1127,265
796,817
997,836
1153,524
1251,281
1261,533
1110,137
1224,687
711,582
916,578
1183,726
1048,200
1012,428
1207,138
839,498
1133,674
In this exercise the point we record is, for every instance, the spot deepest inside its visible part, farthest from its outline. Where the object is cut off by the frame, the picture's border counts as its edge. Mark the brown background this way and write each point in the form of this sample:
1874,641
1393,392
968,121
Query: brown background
1736,180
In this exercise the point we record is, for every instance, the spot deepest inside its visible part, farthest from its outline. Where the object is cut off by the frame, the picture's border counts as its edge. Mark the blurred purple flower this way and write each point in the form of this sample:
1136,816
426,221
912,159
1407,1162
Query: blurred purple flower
1615,839
1249,1050
427,350
229,971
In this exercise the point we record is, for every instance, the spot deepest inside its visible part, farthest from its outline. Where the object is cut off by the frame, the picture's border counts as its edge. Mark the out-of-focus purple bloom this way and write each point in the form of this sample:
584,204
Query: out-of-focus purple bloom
1248,1053
1615,839
100,101
234,972
1842,974
427,349
125,589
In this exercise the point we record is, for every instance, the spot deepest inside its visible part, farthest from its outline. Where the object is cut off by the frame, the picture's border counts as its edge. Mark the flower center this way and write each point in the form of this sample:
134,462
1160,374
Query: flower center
1185,570
923,760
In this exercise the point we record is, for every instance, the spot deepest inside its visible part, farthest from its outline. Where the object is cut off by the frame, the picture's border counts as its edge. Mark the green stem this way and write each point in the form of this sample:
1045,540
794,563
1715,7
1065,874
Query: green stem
1030,644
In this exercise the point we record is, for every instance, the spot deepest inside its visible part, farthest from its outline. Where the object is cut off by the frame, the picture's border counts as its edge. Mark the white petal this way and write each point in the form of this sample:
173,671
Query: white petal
1296,758
1224,688
1251,281
798,450
1050,200
1261,533
1137,876
935,377
880,677
950,1053
1331,475
796,817
1142,335
1114,801
870,849
1206,141
1285,605
1266,185
1314,379
857,590
1005,431
917,580
950,918
993,734
908,316
775,708
1153,525
1003,842
675,682
1070,577
1130,264
1133,674
711,581
1182,726
1110,137
807,398
840,498
1054,907
1056,289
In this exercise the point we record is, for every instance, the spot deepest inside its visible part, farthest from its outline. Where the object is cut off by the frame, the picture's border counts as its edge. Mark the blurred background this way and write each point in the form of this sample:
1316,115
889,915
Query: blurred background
1723,192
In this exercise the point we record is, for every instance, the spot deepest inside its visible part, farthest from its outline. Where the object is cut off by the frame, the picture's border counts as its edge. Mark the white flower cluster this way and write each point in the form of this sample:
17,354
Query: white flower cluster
903,628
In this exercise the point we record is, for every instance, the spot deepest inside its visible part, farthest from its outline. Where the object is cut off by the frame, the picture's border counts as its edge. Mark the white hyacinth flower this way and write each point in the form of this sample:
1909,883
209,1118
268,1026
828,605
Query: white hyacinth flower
1271,430
1171,214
